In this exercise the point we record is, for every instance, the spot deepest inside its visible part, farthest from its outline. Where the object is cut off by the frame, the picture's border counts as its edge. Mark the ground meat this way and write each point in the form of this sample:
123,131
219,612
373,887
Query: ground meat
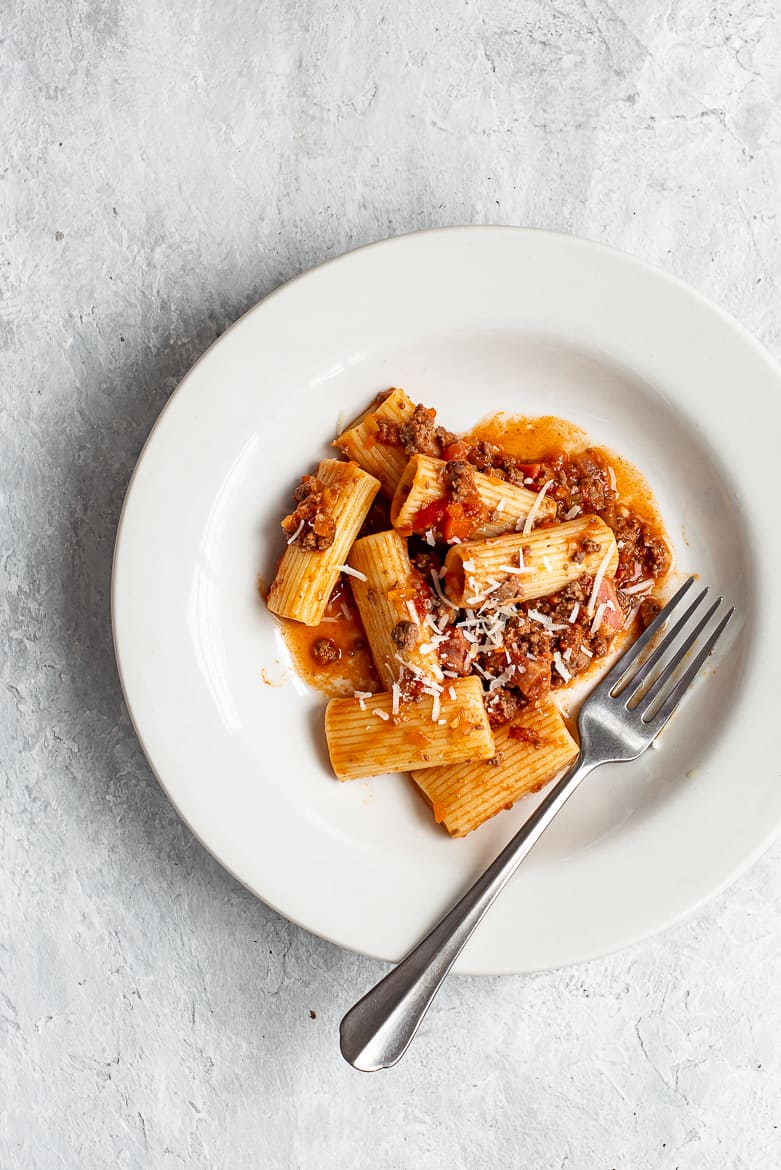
648,610
590,472
460,480
325,651
310,523
527,734
388,431
444,437
641,551
502,705
590,546
453,653
486,457
418,434
657,555
404,635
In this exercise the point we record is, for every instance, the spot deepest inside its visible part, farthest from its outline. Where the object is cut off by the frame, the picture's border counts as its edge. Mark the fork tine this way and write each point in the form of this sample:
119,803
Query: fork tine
643,673
667,670
618,672
658,720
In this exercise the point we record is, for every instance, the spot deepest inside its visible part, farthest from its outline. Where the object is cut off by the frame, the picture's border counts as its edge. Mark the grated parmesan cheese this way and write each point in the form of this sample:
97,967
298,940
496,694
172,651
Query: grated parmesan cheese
532,516
380,714
430,537
639,587
396,692
573,512
353,572
597,622
598,579
575,611
560,667
296,534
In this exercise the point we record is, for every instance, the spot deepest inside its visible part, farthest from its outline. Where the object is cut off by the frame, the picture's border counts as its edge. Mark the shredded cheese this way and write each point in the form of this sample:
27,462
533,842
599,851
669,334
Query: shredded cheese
396,692
353,572
639,587
532,516
598,579
560,667
597,622
573,512
575,611
296,534
380,714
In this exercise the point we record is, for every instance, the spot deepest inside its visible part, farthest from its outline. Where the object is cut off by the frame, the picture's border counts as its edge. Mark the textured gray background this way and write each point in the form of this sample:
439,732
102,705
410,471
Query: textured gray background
164,165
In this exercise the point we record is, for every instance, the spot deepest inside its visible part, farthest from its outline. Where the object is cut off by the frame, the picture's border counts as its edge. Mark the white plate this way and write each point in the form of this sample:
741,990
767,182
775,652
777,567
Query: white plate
471,320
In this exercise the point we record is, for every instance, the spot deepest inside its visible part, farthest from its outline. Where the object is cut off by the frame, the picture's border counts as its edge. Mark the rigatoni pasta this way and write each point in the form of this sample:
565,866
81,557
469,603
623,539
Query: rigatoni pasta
388,592
452,499
338,501
371,735
484,572
522,567
530,752
362,443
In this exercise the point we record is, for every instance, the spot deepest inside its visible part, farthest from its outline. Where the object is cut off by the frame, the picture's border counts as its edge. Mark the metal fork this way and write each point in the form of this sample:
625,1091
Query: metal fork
618,721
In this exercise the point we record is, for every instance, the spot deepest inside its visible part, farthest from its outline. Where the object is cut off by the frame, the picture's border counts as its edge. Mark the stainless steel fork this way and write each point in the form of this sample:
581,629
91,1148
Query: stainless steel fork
618,721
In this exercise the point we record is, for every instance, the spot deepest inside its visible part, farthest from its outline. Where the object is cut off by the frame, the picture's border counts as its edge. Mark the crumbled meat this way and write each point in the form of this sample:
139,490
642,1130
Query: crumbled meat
590,546
496,760
454,653
404,635
326,651
459,480
388,431
527,734
502,705
578,556
311,523
417,435
648,610
641,551
444,437
486,457
589,470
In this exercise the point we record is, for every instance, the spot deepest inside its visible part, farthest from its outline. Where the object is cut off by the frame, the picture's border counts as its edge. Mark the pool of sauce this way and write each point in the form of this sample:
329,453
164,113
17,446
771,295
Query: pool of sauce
354,669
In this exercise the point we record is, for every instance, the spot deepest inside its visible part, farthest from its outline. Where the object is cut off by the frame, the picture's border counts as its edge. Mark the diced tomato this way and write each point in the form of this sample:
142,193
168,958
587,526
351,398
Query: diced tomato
431,516
459,523
457,450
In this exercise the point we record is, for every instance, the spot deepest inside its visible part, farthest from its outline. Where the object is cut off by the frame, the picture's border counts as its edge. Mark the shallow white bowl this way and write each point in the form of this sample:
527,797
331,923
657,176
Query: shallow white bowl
470,320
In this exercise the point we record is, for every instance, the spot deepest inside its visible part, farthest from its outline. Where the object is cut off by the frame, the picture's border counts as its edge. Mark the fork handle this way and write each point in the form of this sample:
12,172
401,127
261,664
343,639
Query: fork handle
377,1031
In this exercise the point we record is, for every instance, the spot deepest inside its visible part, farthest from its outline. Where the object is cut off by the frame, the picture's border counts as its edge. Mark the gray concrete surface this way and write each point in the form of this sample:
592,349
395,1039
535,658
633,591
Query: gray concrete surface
165,165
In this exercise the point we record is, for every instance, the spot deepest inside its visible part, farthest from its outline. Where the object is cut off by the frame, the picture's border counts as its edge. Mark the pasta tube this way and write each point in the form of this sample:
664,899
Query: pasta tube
385,594
454,499
529,754
385,461
521,567
365,737
306,577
